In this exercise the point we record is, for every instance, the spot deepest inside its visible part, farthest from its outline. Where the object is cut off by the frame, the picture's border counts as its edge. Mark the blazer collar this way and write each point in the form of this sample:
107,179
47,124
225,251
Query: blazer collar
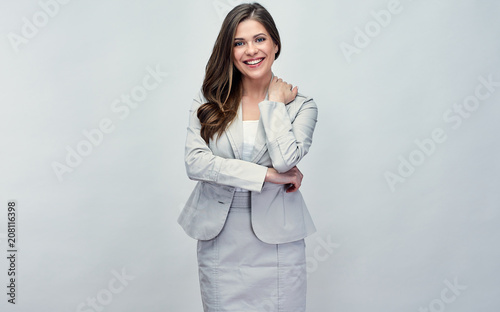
235,135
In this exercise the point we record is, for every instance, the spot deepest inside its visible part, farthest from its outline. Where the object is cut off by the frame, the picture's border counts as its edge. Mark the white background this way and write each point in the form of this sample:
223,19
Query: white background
378,248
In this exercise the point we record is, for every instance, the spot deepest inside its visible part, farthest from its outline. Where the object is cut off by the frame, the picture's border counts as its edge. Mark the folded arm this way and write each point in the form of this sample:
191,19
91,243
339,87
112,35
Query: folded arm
288,142
202,165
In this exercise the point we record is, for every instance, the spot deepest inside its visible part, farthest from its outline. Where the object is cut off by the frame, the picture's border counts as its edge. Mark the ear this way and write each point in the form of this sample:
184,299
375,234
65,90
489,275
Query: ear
275,48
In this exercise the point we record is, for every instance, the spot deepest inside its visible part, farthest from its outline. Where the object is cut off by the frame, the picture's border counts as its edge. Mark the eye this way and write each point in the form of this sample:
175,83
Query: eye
261,39
238,44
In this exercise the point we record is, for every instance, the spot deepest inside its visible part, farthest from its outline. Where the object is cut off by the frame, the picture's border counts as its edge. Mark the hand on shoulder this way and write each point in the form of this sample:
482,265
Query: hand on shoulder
281,91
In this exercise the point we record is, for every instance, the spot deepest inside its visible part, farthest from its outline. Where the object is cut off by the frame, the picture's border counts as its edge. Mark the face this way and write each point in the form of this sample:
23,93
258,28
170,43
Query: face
253,50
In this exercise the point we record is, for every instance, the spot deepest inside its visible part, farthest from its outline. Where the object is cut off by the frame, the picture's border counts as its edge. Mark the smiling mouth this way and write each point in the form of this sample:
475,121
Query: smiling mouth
254,62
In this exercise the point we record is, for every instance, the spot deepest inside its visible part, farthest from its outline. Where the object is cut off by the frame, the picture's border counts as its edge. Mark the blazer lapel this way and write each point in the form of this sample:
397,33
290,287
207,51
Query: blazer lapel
260,146
235,134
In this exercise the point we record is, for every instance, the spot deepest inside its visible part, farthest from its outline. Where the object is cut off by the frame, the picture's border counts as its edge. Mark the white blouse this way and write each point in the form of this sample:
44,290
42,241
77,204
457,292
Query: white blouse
249,133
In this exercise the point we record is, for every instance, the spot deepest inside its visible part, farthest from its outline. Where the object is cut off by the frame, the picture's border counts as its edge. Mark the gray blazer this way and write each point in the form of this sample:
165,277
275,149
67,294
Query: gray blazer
284,136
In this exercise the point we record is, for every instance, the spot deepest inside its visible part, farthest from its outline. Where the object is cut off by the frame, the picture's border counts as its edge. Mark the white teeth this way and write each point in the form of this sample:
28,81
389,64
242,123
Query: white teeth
254,62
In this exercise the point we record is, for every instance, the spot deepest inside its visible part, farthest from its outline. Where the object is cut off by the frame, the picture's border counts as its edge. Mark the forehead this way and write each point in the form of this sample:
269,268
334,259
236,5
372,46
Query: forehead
249,28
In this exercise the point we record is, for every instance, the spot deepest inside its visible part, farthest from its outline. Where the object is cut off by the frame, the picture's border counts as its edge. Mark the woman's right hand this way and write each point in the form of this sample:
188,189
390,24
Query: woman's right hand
292,176
281,91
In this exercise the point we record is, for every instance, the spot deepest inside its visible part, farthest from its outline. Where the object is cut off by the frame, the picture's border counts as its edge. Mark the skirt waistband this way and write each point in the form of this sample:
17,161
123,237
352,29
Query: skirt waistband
241,200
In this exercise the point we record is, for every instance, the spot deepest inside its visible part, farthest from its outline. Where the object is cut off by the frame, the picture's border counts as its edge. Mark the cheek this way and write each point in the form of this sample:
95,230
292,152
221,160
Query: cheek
272,52
236,61
236,54
235,58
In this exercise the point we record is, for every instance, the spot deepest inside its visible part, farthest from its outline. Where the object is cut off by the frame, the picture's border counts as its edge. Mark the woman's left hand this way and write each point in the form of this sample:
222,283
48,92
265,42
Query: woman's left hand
292,178
281,91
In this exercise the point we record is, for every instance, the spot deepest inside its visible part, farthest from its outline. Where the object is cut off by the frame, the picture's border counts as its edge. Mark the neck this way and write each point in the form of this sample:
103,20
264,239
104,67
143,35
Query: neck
256,87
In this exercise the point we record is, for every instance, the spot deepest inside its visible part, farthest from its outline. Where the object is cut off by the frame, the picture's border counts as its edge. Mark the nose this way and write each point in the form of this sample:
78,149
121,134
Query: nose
251,49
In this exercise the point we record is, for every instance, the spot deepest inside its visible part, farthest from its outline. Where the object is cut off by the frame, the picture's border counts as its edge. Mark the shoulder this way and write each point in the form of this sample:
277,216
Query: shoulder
301,99
302,102
198,100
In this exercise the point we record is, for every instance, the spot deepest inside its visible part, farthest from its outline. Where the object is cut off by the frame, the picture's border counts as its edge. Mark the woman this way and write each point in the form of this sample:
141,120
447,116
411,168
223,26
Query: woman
247,132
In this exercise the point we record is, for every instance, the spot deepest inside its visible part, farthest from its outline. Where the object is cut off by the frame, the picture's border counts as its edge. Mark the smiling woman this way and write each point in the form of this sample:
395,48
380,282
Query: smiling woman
253,50
247,132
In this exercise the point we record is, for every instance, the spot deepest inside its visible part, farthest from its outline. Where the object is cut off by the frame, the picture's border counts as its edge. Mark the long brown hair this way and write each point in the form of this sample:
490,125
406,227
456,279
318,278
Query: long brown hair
222,83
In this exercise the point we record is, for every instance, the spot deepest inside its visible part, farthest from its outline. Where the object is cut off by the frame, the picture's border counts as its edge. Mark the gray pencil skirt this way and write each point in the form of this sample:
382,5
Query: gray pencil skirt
240,273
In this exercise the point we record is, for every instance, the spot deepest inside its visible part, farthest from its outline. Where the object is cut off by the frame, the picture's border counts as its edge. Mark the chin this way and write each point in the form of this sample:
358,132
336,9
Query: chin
255,75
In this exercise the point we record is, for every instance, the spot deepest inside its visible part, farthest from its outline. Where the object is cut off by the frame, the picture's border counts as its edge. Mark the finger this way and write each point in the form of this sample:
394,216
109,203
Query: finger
295,91
294,188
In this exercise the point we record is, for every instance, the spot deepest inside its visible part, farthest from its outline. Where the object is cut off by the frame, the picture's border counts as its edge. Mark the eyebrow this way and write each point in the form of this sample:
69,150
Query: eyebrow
260,34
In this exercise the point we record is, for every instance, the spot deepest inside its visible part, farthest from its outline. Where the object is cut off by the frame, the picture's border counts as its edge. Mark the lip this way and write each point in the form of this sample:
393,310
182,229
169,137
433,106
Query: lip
254,59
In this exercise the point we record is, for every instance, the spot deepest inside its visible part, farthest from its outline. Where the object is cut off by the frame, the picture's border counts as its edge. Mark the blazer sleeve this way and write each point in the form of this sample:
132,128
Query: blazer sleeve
288,141
202,165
